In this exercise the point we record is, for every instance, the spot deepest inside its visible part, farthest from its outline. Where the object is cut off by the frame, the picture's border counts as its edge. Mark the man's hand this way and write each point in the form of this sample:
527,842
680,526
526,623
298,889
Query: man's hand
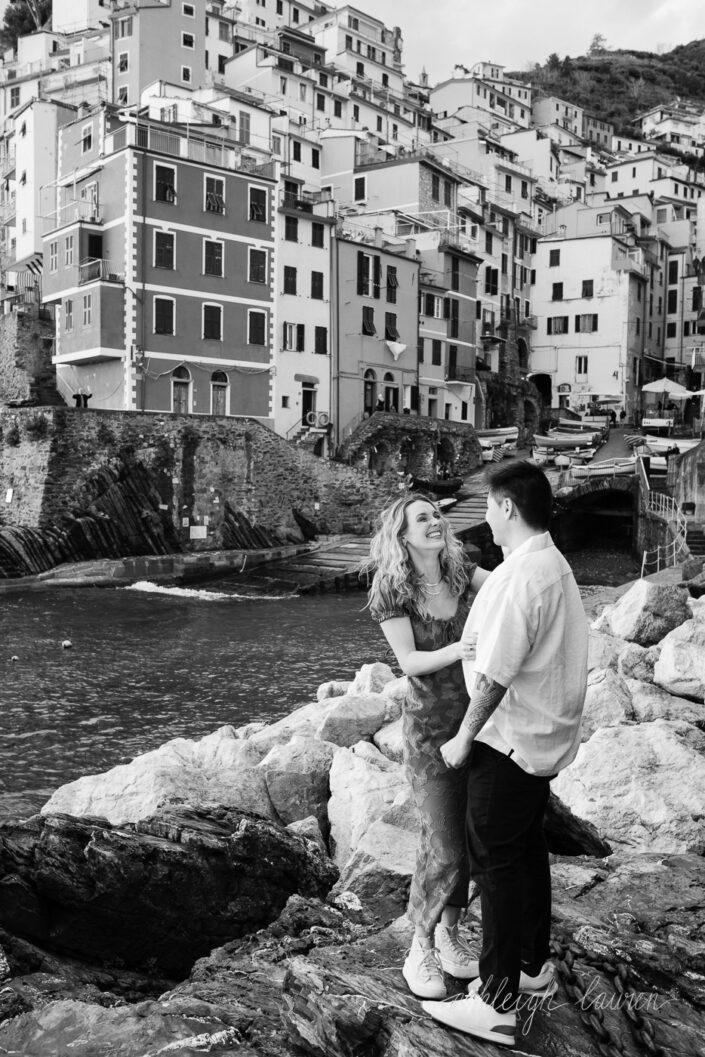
456,751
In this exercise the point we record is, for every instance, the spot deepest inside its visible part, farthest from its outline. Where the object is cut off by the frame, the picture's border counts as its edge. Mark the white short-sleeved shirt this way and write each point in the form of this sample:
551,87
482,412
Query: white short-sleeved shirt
532,637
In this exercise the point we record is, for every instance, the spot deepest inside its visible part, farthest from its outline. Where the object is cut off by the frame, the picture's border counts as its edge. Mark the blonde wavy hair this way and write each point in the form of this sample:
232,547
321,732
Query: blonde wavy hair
395,582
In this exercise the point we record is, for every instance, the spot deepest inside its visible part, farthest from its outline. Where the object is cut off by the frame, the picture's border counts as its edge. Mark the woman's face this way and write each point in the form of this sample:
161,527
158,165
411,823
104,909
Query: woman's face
423,532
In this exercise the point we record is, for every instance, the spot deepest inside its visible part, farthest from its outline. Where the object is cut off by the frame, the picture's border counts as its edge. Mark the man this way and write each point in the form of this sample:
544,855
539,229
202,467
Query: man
527,689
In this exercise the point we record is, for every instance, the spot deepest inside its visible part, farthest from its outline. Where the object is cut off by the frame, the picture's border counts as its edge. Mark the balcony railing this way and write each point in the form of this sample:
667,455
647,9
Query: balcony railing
226,154
316,203
628,260
94,268
7,162
459,373
8,209
71,212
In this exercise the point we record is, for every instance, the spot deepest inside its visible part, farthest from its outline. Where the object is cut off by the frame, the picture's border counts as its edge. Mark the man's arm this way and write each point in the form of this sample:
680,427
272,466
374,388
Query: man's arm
485,698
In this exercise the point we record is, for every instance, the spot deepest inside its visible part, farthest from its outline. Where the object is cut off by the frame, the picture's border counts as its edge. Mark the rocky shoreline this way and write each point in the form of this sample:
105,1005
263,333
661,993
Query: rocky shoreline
244,893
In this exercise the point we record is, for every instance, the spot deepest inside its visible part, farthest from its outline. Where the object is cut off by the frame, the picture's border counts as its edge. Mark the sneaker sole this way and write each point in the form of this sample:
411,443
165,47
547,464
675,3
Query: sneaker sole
479,1033
436,995
460,972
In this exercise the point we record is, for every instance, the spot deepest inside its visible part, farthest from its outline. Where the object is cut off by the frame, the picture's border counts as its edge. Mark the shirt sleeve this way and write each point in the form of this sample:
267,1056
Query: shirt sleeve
505,639
386,605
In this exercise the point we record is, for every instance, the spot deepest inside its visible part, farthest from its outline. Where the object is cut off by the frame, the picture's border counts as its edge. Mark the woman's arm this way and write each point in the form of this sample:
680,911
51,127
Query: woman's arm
400,636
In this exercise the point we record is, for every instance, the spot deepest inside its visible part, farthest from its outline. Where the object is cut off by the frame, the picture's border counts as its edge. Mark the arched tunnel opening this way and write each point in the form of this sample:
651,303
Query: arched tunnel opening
595,531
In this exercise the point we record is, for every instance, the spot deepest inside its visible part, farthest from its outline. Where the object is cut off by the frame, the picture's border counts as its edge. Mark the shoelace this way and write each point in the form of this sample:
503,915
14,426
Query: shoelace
431,964
459,946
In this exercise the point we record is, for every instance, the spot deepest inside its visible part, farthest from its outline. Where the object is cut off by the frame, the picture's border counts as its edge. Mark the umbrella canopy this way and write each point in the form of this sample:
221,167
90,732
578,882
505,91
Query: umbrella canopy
667,387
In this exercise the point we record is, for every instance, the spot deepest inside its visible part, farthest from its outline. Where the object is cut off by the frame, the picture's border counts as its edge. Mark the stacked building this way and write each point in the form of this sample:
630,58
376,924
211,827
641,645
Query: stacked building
250,210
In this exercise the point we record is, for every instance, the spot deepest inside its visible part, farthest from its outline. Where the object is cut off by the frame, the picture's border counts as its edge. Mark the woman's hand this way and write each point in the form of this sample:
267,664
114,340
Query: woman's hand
466,649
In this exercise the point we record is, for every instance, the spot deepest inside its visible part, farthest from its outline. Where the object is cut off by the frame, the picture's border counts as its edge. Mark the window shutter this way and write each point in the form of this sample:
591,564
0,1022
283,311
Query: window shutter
414,398
300,337
360,272
594,322
283,335
377,280
429,305
577,324
446,308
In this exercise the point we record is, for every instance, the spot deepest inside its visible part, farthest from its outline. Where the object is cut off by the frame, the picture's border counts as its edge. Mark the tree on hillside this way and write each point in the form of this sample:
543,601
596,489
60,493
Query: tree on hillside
598,44
22,17
553,62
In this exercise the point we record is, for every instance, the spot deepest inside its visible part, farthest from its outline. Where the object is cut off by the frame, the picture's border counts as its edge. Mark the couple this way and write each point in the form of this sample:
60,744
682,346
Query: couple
493,712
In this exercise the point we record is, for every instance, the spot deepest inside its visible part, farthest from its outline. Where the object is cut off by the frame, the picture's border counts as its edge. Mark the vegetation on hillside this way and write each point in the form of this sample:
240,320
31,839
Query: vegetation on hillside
21,17
616,85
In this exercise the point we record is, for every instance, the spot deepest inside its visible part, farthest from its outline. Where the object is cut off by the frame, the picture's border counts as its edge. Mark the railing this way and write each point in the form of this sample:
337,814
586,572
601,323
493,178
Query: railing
8,209
7,161
71,212
94,268
665,555
223,153
316,204
455,373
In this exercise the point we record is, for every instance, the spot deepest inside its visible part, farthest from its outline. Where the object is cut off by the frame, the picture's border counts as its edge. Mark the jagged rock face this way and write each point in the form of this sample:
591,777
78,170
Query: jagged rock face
680,668
157,894
607,702
647,612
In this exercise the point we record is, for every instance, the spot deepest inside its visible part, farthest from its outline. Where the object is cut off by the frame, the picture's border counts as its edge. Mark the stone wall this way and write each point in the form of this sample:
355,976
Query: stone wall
123,483
26,371
687,477
409,444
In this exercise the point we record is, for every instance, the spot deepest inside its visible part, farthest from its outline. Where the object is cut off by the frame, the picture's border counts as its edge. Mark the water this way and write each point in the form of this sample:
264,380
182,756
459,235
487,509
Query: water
147,667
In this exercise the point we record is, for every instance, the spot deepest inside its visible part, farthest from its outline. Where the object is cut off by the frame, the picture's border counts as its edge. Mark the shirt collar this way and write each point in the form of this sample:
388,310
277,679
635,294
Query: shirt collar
539,542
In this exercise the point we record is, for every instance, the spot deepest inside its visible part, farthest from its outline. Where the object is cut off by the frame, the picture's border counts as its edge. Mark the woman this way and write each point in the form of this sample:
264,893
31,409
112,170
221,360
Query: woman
419,595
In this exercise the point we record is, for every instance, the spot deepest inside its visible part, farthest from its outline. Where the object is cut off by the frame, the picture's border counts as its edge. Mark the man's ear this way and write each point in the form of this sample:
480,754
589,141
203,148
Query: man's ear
508,507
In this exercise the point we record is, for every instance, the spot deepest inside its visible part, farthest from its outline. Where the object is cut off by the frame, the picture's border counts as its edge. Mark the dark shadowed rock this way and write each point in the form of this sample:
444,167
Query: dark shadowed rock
158,893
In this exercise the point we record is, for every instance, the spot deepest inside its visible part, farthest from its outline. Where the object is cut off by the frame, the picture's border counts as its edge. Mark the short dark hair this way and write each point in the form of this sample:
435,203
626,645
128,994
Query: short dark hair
527,486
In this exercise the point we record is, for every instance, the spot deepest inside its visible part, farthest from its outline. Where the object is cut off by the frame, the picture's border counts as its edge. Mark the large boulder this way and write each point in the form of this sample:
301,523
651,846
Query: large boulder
364,784
372,678
648,611
680,668
603,649
302,722
607,701
637,662
390,740
220,768
650,702
642,785
379,870
156,894
296,777
356,716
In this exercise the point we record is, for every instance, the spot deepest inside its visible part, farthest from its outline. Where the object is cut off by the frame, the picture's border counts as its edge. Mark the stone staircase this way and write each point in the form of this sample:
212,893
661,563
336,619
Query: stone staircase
695,538
330,565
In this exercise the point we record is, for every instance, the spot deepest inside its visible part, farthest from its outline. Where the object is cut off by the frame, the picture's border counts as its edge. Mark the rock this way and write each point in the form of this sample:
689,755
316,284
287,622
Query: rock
637,662
642,786
302,722
332,689
296,777
680,668
364,784
355,717
603,650
309,829
390,742
603,623
397,690
697,608
566,834
607,702
651,702
372,679
158,893
648,611
219,768
379,870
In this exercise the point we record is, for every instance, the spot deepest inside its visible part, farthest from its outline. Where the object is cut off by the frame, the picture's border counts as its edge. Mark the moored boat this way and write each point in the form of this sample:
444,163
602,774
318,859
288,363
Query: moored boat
662,445
501,433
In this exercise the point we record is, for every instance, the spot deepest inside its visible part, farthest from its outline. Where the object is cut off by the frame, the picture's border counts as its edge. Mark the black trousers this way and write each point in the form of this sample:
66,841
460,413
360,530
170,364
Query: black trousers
509,862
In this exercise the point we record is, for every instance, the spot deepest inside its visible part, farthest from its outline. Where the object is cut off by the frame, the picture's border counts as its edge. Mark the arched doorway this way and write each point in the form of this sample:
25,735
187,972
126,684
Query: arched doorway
369,396
523,354
181,391
391,393
544,385
219,393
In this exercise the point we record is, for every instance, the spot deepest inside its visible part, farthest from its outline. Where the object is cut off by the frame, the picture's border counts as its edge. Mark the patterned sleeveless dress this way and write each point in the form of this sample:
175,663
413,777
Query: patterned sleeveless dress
433,711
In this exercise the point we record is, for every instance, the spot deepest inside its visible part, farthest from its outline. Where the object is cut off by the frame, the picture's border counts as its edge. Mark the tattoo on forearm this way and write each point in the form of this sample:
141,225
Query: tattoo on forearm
485,698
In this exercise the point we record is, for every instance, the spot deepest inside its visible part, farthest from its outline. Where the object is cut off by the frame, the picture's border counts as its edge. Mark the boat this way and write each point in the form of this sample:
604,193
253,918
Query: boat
561,441
607,468
438,485
662,445
543,456
501,433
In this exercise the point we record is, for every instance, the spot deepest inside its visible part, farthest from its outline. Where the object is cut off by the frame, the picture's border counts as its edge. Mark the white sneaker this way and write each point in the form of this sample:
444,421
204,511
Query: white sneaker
423,973
544,984
455,954
475,1017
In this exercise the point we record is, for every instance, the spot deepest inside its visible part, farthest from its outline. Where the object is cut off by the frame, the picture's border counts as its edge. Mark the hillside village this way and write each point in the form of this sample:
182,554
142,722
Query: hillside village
248,209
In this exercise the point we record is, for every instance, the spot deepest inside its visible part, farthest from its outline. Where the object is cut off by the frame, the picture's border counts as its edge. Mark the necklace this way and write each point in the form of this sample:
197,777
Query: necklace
426,588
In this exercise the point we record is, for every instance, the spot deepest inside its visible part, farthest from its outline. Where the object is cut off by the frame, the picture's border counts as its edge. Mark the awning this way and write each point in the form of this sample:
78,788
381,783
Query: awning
307,378
31,263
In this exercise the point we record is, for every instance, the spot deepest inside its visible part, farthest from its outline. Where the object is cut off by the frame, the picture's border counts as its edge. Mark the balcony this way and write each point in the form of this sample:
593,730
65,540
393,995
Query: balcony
222,153
94,268
8,209
315,203
458,373
628,260
7,162
72,212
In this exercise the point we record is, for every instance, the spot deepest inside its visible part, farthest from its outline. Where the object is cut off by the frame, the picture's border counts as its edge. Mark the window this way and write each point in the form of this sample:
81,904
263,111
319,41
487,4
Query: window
557,292
368,320
672,301
321,341
315,158
294,335
122,95
258,204
488,242
163,249
317,286
222,60
587,288
243,136
212,257
164,184
317,234
337,108
53,256
276,144
87,309
289,279
256,328
697,302
186,74
86,138
557,325
212,322
14,97
163,315
356,112
435,187
214,195
123,28
360,69
454,274
187,40
524,189
188,10
181,390
672,273
320,101
586,323
219,393
68,250
360,188
390,326
224,32
554,258
283,85
581,365
291,229
491,280
123,62
671,330
68,315
392,284
257,266
296,150
323,80
436,352
294,14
